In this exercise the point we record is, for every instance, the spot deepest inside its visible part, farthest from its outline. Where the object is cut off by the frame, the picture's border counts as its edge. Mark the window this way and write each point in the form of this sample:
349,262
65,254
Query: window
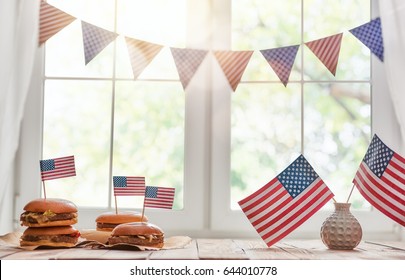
213,145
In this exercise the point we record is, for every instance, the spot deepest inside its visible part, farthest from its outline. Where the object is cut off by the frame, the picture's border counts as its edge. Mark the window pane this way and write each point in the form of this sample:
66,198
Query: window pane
77,122
337,134
149,134
265,137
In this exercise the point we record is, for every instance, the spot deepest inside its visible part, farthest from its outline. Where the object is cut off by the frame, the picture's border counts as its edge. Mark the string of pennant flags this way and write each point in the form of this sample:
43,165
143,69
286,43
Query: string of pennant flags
187,60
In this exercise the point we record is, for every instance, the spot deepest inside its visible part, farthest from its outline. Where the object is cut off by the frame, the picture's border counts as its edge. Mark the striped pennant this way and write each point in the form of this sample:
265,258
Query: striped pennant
233,64
95,39
281,60
141,53
187,63
327,50
51,21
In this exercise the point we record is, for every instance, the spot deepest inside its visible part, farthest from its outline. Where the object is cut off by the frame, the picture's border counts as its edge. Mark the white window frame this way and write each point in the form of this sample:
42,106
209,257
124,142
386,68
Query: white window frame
206,211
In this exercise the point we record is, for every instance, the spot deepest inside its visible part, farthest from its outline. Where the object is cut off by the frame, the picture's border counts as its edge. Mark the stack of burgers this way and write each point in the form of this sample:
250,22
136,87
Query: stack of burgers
49,223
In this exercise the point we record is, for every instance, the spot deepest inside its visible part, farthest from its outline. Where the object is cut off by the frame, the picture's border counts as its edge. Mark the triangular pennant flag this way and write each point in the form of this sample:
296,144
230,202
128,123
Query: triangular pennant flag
233,64
370,34
281,60
327,50
95,39
141,53
187,62
51,21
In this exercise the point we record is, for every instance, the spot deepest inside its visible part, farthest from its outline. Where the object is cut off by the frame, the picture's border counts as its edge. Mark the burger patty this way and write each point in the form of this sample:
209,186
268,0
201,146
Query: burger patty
105,225
52,238
35,218
141,240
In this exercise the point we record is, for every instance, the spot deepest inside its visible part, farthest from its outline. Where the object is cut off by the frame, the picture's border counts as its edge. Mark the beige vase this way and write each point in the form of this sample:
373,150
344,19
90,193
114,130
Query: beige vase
341,230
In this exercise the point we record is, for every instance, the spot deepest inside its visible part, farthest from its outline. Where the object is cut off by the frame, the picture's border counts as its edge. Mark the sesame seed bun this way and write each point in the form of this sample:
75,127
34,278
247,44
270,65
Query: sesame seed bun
142,234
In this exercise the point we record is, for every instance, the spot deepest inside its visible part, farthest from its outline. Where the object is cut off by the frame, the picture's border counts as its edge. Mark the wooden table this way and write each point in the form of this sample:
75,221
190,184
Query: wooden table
221,249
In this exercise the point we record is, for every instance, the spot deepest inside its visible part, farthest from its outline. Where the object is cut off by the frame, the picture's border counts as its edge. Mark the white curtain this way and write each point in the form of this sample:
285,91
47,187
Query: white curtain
392,14
18,43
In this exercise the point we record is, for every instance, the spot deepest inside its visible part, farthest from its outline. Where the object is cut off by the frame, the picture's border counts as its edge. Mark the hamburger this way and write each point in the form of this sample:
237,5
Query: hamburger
109,220
61,236
140,234
49,212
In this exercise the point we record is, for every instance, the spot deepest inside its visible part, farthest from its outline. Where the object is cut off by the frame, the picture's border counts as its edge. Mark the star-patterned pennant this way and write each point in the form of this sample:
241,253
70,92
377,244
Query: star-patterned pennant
141,53
281,60
187,63
233,64
370,34
51,21
95,39
327,50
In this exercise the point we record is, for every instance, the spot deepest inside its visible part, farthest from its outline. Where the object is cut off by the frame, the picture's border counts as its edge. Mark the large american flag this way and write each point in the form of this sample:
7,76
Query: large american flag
159,197
129,185
287,201
381,180
57,168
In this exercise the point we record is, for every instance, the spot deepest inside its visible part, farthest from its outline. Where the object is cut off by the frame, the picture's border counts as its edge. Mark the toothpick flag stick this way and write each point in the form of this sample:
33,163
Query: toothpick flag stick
347,201
43,186
116,208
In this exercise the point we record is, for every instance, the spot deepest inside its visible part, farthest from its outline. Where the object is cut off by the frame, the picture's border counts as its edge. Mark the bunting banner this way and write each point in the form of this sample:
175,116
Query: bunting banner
370,34
327,50
187,63
380,179
281,61
233,64
141,53
51,21
287,201
95,39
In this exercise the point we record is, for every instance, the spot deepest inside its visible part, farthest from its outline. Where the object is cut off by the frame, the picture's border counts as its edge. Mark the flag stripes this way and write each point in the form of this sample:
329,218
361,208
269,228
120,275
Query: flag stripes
286,201
57,168
382,194
380,179
129,185
159,197
274,213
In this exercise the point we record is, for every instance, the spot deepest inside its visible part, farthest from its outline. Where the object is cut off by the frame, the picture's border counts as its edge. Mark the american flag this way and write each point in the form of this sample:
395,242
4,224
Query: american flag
381,180
287,201
129,185
57,168
159,197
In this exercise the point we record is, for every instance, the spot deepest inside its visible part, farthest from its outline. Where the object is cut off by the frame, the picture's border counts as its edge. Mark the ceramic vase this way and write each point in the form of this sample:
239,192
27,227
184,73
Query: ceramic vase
341,230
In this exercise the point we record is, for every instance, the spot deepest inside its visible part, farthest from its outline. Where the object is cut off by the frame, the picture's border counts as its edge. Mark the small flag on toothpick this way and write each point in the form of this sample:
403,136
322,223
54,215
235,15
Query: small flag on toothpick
57,168
287,201
380,179
159,197
129,185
